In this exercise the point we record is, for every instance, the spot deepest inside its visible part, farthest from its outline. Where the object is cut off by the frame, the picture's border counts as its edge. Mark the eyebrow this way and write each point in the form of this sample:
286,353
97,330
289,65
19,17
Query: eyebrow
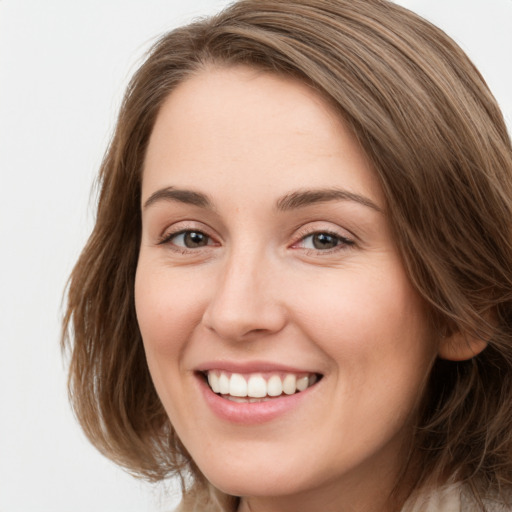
303,198
181,196
292,201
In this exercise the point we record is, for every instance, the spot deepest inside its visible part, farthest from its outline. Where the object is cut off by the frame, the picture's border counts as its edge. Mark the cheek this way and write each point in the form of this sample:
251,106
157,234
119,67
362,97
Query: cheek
374,331
372,324
364,302
169,307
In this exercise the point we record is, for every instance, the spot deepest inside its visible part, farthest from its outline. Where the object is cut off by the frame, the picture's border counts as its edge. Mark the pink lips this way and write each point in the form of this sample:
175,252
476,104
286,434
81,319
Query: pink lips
252,367
256,412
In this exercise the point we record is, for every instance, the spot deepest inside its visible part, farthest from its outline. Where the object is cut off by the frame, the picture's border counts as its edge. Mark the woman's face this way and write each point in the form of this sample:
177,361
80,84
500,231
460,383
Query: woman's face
267,263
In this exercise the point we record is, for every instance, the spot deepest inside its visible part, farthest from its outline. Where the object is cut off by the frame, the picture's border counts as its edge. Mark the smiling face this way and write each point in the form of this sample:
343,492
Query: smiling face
267,264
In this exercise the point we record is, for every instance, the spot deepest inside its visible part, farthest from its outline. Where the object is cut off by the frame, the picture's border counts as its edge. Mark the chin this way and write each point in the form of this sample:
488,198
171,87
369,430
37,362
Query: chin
266,476
257,483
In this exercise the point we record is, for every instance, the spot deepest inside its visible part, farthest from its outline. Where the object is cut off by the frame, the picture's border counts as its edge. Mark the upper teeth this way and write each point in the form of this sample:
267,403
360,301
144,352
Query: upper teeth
256,385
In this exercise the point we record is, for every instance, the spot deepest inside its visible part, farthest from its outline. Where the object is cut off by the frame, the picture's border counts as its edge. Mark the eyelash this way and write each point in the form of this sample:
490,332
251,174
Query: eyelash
342,242
167,238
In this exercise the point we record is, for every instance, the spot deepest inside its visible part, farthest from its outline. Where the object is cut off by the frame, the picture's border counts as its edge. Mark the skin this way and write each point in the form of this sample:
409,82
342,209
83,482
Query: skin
260,290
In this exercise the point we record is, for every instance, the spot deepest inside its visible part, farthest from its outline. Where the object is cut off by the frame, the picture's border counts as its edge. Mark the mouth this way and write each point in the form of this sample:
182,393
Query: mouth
258,387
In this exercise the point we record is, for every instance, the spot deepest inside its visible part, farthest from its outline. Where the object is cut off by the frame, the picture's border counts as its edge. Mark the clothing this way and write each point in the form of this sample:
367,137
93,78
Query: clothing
447,499
452,498
208,500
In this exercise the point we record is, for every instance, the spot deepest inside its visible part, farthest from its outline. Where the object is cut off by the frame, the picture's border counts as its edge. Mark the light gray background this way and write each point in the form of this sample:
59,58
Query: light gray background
63,68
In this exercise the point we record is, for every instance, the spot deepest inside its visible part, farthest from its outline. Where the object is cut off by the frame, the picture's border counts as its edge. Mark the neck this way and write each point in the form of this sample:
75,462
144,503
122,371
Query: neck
351,496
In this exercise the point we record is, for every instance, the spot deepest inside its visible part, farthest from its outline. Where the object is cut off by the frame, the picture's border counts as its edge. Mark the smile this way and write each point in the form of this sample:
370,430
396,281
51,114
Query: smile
257,387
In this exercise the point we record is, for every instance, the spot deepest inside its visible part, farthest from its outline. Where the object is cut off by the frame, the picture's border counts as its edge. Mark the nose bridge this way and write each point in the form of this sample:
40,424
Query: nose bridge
244,302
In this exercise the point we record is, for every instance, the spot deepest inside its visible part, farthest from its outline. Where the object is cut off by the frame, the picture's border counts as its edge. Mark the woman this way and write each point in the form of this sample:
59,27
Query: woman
298,290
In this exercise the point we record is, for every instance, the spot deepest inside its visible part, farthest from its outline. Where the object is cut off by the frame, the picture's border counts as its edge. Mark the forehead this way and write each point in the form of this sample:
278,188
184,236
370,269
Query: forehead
223,123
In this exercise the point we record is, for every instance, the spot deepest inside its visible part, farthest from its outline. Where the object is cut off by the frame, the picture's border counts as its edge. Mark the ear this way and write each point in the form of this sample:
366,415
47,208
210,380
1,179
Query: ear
460,347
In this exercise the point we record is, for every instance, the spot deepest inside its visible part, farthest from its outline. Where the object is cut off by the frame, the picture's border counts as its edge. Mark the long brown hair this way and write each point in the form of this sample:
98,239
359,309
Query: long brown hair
441,151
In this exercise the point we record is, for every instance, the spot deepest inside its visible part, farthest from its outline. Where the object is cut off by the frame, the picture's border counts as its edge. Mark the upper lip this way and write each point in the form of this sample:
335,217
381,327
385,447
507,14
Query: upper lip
251,367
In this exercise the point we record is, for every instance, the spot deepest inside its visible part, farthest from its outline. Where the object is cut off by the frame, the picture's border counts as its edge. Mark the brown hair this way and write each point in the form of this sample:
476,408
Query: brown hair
440,147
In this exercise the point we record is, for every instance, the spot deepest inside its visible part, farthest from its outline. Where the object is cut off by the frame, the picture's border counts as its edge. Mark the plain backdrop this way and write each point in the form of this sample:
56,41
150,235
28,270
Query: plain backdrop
63,68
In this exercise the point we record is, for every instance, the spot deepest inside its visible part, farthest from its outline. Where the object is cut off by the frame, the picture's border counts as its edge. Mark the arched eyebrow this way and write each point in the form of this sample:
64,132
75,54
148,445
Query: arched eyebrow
291,201
303,198
180,195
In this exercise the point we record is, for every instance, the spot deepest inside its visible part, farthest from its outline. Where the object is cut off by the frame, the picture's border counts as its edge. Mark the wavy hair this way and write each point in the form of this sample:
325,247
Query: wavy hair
442,154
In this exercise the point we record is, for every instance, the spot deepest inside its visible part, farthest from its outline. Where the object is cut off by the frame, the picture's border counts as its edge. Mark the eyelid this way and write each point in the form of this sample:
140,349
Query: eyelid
170,236
183,227
310,230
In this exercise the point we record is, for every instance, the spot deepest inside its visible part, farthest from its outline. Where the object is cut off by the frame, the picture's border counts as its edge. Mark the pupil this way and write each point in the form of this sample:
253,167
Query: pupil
324,241
195,239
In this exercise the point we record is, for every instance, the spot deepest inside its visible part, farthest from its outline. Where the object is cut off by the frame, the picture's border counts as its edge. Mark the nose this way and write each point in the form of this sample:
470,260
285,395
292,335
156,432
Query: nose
245,302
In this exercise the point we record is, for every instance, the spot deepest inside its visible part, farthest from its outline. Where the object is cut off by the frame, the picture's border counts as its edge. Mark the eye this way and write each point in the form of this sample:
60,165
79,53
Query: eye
323,241
188,239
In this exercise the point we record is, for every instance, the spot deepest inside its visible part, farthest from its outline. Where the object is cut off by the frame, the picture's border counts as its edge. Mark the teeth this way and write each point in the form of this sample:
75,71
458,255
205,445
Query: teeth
290,384
237,399
223,384
302,383
274,386
255,388
213,380
237,385
245,400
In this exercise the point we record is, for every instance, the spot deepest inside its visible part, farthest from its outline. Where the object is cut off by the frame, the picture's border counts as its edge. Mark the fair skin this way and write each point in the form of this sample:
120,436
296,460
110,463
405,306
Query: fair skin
267,251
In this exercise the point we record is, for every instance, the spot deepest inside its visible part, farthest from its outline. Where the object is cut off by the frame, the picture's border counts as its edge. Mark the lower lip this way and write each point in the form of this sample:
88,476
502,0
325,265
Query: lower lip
251,413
